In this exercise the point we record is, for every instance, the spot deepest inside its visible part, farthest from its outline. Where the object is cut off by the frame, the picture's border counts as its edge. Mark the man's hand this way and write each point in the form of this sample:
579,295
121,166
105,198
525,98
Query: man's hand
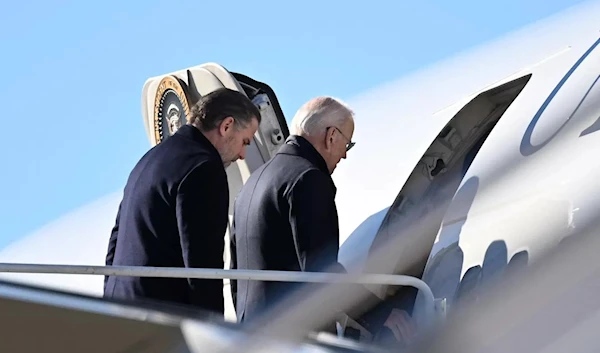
402,325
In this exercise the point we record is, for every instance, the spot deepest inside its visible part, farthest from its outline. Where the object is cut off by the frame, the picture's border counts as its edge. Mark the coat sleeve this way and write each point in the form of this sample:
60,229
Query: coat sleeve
233,262
314,222
201,210
112,242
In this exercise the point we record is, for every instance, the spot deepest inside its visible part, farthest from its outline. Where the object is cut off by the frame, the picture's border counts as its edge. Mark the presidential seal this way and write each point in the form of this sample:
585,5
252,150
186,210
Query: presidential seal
171,108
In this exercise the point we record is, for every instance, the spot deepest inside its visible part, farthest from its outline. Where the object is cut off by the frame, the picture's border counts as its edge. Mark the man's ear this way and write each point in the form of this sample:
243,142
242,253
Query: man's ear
329,138
226,125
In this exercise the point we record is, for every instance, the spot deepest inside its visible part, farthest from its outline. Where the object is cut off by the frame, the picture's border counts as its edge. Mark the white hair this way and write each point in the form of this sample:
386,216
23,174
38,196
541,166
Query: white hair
319,113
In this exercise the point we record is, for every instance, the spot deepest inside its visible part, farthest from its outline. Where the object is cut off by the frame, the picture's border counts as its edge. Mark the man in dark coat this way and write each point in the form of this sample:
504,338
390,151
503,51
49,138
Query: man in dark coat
174,210
285,216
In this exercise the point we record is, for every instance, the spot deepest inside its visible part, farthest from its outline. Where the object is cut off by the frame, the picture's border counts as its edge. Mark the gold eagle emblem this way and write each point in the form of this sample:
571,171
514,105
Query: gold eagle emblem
171,108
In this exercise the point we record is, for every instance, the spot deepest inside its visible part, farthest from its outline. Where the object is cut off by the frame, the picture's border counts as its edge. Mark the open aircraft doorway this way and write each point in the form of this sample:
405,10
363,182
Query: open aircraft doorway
405,238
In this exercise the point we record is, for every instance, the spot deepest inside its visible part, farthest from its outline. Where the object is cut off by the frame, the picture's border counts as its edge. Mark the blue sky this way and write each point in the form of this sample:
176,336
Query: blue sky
72,73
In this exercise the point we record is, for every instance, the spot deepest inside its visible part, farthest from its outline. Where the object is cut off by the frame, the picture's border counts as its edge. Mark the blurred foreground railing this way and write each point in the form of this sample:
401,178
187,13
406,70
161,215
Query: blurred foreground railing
210,273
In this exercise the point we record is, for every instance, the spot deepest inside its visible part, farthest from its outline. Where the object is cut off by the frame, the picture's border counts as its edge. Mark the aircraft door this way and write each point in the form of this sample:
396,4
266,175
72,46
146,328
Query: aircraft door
166,105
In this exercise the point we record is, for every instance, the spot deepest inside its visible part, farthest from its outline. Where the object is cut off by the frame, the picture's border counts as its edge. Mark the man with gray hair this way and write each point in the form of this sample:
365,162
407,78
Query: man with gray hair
285,216
318,121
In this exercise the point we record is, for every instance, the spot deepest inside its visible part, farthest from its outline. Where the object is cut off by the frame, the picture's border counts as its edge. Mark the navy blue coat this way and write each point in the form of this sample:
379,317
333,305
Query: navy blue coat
173,214
285,219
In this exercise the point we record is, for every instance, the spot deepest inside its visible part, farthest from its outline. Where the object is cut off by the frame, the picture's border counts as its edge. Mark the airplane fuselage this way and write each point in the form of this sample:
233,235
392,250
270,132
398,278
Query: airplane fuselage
477,164
529,184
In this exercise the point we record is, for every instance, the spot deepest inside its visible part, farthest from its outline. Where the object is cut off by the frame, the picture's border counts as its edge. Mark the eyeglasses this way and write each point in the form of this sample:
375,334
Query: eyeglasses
350,144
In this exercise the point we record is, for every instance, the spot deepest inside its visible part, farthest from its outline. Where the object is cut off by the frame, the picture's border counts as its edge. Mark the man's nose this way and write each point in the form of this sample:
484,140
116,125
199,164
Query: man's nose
243,153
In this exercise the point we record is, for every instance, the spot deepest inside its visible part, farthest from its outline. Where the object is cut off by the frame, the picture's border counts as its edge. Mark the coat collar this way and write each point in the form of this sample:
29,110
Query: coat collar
192,133
299,146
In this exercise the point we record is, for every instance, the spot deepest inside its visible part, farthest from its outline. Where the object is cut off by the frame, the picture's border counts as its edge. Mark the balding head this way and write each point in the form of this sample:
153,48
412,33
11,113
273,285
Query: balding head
317,114
328,124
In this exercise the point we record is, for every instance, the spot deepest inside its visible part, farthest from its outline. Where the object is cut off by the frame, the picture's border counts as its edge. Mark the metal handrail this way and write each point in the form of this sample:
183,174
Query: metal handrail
211,273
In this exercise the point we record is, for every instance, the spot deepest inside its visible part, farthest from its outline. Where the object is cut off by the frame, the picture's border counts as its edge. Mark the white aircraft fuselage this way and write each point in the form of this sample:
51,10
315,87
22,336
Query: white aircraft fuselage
531,183
499,141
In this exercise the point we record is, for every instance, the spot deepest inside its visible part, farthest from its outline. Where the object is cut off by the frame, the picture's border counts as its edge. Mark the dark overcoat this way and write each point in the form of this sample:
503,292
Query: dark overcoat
173,214
285,219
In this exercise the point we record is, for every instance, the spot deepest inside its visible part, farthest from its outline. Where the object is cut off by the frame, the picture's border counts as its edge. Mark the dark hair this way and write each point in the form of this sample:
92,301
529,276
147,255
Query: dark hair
213,108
